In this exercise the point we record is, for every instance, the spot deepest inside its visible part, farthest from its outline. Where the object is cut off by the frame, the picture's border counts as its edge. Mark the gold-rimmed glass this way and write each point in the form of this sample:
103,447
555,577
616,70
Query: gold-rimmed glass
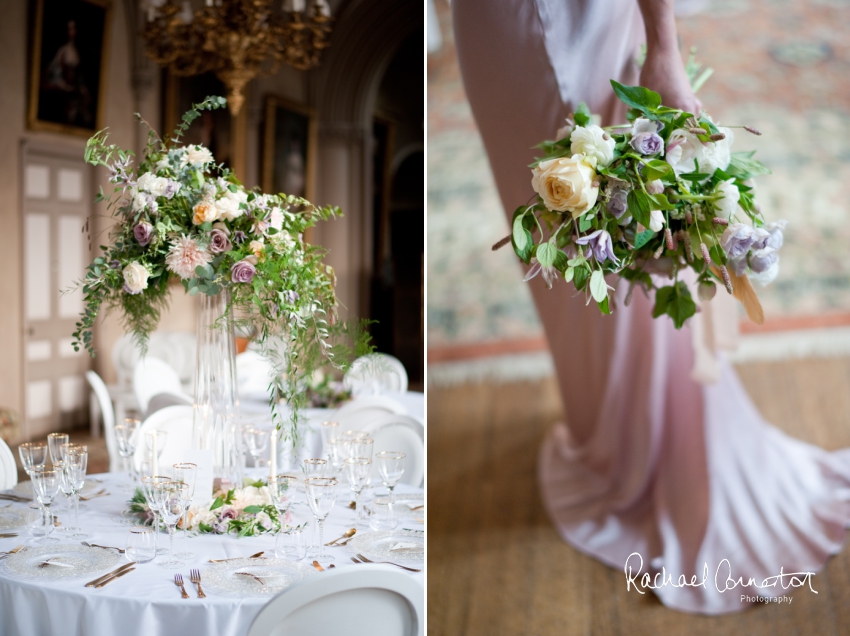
321,495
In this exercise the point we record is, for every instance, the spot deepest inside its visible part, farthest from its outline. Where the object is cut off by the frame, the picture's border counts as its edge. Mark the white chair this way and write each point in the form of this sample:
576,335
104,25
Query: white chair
376,404
374,373
153,376
355,601
395,433
254,373
163,400
177,422
177,348
108,415
8,470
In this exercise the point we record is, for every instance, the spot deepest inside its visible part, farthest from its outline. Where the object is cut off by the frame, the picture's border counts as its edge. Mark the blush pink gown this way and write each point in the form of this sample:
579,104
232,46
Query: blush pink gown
650,461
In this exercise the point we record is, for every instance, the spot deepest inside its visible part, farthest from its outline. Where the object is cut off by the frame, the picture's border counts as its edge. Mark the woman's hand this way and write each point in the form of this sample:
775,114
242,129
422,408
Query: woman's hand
663,70
664,73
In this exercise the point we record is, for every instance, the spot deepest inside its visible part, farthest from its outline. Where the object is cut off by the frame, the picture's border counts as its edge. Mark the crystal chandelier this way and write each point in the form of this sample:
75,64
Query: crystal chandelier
234,38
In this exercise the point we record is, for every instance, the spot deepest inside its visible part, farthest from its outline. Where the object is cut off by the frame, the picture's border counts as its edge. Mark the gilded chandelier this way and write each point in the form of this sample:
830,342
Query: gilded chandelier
235,38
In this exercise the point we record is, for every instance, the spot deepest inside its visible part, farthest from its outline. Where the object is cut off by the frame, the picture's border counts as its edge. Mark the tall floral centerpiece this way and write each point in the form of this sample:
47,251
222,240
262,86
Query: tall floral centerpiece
182,217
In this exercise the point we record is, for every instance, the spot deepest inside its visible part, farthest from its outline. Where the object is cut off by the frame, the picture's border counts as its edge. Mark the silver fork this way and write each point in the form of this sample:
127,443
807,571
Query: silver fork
403,567
195,577
178,580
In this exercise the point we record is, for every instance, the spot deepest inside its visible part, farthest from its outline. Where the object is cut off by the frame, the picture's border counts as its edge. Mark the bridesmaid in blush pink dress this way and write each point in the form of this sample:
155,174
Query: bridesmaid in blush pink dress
651,461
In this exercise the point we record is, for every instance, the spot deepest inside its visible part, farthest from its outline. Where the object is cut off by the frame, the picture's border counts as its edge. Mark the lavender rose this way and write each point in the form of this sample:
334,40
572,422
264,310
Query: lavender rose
617,204
647,143
219,242
242,272
143,233
171,188
737,240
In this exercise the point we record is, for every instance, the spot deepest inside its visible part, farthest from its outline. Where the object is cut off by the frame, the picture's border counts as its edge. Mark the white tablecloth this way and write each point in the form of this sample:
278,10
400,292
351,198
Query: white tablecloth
146,602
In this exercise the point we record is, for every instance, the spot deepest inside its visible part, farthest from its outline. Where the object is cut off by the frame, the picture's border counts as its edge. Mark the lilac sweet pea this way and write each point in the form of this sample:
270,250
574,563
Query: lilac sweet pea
600,244
242,272
143,233
737,240
617,204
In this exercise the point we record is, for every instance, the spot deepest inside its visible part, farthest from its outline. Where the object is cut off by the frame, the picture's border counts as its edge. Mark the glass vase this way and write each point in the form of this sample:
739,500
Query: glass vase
216,409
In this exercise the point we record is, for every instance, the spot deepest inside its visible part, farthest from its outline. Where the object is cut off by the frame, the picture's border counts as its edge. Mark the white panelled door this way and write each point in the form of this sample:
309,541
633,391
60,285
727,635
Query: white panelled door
56,204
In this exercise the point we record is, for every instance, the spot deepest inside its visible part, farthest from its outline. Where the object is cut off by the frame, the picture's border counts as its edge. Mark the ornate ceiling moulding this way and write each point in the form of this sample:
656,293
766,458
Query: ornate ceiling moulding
236,38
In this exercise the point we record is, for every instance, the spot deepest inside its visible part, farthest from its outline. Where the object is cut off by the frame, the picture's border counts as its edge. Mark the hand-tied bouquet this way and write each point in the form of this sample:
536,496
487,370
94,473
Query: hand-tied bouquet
248,511
656,196
183,217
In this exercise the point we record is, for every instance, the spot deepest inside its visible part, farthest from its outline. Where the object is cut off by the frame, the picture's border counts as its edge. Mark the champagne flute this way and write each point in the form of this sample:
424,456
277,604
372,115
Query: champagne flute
357,470
337,452
391,468
173,498
126,438
76,463
257,440
282,491
185,473
33,455
45,484
321,495
149,484
314,467
66,487
330,430
55,443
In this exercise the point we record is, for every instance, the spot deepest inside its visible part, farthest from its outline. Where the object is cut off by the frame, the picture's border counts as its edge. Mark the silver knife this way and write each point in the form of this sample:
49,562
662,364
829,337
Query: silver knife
109,575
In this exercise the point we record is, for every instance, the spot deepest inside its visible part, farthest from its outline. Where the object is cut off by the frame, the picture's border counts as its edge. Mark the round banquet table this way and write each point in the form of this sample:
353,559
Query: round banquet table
146,602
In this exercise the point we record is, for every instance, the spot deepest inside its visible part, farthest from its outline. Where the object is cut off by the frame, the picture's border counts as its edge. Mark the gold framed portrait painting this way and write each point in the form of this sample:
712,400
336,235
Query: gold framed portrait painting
289,148
68,75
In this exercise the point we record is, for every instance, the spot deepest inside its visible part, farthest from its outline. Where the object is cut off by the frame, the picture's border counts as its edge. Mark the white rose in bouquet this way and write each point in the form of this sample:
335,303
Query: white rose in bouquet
594,143
228,205
729,203
149,182
682,148
135,278
566,184
717,154
205,211
197,156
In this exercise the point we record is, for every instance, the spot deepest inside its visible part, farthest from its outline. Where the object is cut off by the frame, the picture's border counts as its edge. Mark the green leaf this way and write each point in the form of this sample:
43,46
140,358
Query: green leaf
546,254
561,261
660,202
640,206
568,273
585,222
582,115
656,169
218,503
604,307
744,166
520,235
203,527
580,277
525,253
205,227
253,509
643,238
637,97
662,299
598,286
681,305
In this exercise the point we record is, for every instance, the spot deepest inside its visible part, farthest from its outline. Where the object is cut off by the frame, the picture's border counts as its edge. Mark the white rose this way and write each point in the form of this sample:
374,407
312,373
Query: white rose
264,520
144,182
197,156
136,277
276,219
140,201
717,154
594,143
163,164
228,205
566,184
158,186
729,203
682,148
643,125
257,247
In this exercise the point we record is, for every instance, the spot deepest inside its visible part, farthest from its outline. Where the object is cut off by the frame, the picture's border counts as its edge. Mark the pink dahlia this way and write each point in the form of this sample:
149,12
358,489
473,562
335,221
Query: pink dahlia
185,255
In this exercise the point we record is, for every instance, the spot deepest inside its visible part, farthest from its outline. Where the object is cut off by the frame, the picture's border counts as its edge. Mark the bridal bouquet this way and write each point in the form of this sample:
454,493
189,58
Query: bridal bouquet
182,217
657,196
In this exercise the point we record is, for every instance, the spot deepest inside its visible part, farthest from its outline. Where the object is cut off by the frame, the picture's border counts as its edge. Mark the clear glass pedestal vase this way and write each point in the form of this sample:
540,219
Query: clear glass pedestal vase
216,410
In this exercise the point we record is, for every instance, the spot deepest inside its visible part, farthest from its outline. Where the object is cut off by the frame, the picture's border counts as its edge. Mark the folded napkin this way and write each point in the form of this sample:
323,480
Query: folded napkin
405,546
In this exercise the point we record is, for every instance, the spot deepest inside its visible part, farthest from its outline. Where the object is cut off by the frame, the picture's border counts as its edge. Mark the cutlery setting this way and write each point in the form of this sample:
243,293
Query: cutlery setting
347,535
361,559
103,547
195,577
101,493
253,556
178,581
106,578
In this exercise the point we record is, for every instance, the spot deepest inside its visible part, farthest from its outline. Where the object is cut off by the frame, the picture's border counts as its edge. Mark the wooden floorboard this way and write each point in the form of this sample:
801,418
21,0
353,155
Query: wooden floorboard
497,567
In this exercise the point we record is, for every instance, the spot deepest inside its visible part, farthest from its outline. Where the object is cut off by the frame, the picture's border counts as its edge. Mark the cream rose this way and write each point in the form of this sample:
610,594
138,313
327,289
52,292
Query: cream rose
205,212
257,247
197,156
276,219
594,143
729,203
228,205
682,148
566,184
135,278
717,154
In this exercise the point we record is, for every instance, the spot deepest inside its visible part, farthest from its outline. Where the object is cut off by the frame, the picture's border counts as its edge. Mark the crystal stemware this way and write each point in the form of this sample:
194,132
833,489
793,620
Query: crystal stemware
149,484
185,473
45,484
141,544
282,492
66,487
257,440
33,455
75,465
321,495
126,438
357,469
55,443
314,467
337,452
173,499
391,468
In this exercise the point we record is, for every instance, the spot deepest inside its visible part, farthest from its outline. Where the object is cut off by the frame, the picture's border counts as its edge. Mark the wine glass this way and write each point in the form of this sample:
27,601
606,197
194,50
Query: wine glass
257,440
391,468
321,495
66,487
185,473
314,467
76,464
55,442
173,499
149,484
45,484
330,430
126,438
337,452
282,492
33,455
357,470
